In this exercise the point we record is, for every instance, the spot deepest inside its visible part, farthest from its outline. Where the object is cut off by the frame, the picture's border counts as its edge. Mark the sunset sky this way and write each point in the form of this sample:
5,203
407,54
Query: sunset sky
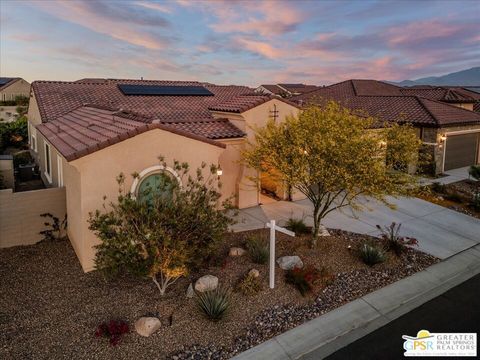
238,42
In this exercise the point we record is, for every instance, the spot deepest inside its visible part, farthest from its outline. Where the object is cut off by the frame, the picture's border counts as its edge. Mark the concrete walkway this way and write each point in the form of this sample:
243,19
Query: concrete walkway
440,231
449,177
326,334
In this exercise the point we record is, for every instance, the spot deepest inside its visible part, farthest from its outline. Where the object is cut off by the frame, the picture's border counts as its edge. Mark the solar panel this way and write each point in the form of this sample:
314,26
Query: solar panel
161,90
3,81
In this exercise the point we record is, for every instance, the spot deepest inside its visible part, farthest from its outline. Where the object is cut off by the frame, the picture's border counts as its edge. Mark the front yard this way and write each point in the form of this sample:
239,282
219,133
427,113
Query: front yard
459,196
50,309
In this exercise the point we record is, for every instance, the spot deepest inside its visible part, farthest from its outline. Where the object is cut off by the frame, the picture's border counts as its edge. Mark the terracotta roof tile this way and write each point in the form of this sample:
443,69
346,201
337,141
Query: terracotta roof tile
87,129
242,103
58,98
444,94
388,103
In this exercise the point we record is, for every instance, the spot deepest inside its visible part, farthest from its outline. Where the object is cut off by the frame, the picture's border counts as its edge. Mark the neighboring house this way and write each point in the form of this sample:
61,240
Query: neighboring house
453,95
449,131
85,133
285,90
10,88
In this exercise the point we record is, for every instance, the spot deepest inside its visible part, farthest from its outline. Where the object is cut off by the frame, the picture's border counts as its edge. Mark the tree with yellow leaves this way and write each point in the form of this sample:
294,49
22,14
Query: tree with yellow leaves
333,156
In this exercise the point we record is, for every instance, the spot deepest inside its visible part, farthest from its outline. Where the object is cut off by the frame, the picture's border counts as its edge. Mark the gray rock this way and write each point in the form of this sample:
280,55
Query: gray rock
146,326
190,293
290,262
206,283
237,251
322,231
254,272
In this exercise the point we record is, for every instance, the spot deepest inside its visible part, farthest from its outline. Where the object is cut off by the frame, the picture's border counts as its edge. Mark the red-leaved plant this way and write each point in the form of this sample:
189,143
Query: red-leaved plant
395,242
114,329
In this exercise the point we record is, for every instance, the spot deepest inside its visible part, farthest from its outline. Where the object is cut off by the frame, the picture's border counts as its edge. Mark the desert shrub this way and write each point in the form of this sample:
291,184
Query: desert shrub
56,229
14,134
453,196
475,202
258,250
298,226
371,253
439,188
393,241
474,172
303,278
250,285
214,304
113,330
162,237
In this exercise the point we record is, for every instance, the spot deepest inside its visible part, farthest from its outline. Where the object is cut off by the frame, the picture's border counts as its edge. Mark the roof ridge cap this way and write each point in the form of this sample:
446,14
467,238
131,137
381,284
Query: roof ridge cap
422,104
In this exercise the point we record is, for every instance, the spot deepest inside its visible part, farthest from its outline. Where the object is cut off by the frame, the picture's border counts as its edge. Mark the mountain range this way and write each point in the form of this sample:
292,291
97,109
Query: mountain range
468,77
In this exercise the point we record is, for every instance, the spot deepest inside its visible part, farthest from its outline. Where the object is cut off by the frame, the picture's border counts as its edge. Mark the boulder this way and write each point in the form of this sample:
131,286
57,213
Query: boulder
322,231
190,293
237,251
254,273
290,262
206,283
146,326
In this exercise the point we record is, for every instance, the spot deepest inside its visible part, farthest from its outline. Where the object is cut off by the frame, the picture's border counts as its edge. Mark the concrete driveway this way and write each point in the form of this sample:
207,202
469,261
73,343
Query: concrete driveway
441,232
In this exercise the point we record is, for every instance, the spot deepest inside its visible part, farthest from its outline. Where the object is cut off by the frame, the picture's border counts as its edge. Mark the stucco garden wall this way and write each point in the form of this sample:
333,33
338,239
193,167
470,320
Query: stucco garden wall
20,221
97,173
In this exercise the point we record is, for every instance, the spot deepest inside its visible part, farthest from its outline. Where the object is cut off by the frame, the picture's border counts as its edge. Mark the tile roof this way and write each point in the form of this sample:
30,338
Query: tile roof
58,98
274,89
243,103
445,94
387,103
289,89
87,129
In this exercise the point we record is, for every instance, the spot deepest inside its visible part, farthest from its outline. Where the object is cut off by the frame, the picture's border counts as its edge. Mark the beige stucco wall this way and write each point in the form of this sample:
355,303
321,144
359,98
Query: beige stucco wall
247,189
463,106
20,221
18,88
93,176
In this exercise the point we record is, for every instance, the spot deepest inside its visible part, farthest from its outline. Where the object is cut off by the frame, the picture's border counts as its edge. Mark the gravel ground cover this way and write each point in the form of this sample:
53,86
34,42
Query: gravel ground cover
463,192
49,308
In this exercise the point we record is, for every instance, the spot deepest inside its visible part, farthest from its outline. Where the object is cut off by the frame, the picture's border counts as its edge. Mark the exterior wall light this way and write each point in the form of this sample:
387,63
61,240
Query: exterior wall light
383,144
443,138
219,172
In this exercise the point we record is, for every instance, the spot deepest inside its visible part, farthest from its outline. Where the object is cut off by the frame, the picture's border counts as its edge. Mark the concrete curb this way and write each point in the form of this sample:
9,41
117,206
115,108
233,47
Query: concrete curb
320,337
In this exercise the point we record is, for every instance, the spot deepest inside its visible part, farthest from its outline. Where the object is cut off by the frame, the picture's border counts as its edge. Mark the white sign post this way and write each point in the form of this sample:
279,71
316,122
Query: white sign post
274,228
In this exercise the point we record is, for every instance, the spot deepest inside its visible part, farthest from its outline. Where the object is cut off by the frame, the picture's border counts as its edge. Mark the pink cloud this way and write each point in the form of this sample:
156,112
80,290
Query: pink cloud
259,47
81,14
154,6
420,31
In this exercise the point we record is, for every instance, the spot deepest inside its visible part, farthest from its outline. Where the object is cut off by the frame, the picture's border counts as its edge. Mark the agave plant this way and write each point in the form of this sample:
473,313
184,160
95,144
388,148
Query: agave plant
371,254
214,303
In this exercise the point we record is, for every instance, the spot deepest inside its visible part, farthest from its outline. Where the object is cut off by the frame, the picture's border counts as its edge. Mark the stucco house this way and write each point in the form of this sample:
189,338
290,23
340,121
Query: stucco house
443,117
285,90
11,87
85,133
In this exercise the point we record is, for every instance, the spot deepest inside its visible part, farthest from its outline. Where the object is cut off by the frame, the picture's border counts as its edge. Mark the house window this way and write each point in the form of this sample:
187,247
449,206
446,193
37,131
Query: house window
33,137
60,171
157,185
4,97
48,163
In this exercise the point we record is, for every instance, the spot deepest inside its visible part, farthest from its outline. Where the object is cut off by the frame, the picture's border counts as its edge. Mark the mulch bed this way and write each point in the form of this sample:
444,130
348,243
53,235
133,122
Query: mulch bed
463,193
50,309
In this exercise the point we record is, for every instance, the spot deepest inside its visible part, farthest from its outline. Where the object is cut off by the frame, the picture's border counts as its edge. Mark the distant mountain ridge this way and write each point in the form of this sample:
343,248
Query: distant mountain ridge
468,77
